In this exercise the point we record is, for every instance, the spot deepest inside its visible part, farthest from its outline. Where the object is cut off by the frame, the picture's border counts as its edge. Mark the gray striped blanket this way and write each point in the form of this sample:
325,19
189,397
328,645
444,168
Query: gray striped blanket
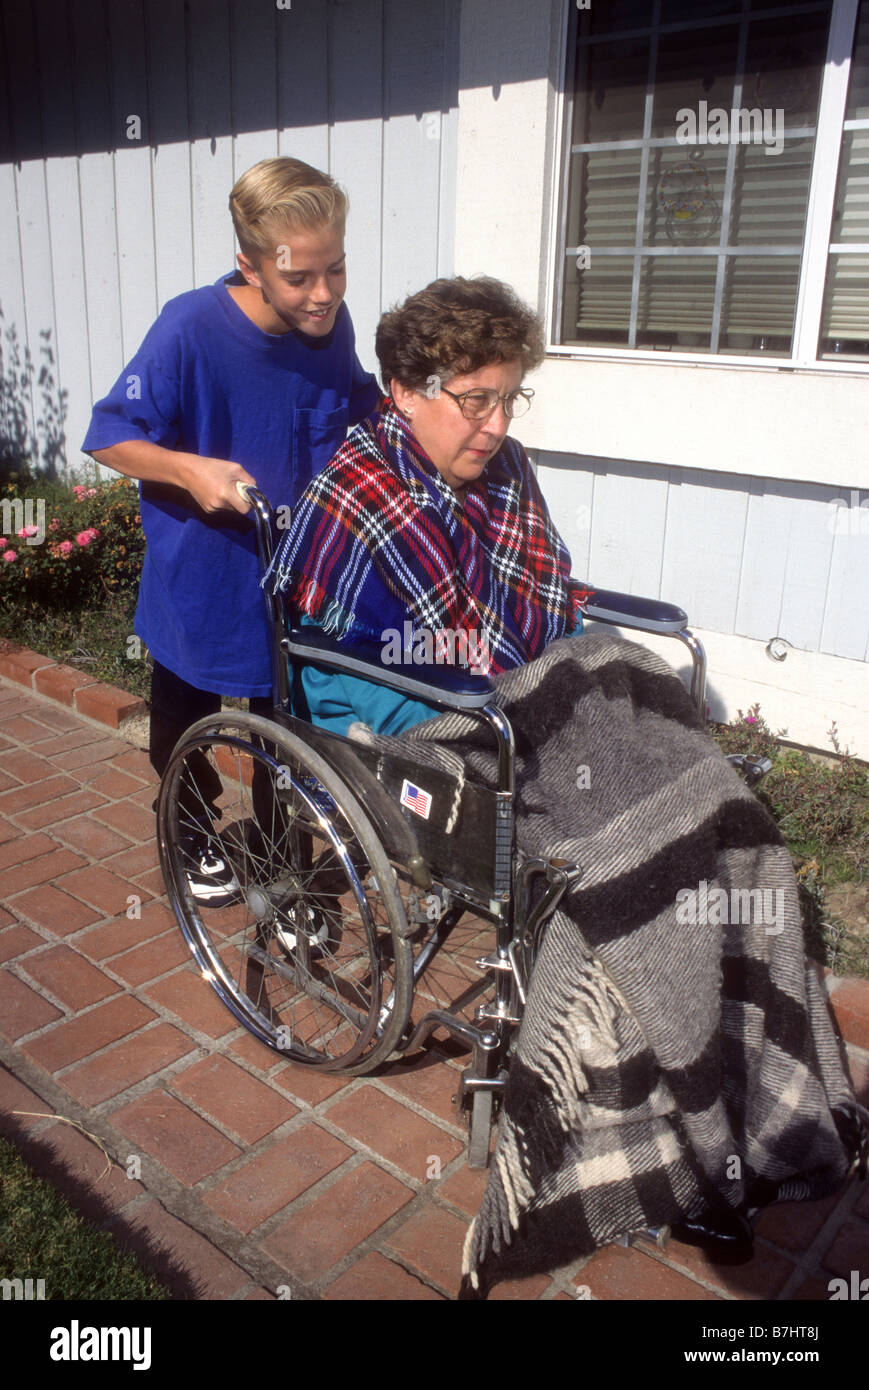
676,1048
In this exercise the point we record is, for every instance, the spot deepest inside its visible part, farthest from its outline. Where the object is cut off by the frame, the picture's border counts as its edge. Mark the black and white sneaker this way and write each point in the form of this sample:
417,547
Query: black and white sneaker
307,922
210,876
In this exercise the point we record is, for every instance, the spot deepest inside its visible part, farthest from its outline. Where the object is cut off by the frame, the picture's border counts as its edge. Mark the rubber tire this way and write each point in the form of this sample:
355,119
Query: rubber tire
480,1128
285,752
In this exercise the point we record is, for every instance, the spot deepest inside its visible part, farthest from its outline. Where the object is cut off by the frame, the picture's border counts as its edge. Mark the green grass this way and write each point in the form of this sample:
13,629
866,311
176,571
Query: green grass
95,640
42,1237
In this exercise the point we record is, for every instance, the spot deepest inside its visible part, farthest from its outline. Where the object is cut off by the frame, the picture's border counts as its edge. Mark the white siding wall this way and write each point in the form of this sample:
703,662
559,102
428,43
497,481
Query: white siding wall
98,231
785,559
749,559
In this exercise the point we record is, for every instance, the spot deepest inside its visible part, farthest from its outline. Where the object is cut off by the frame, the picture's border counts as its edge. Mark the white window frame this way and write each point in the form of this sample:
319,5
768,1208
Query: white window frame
817,246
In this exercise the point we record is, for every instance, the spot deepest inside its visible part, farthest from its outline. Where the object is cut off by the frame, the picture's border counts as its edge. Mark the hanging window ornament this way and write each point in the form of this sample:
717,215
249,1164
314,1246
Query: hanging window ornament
684,193
789,82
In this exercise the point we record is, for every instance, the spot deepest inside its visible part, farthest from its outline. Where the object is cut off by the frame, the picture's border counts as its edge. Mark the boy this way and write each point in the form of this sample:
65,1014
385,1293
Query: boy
254,379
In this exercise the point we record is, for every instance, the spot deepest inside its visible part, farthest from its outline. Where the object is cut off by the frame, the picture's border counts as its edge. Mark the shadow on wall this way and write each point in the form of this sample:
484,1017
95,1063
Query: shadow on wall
32,406
74,74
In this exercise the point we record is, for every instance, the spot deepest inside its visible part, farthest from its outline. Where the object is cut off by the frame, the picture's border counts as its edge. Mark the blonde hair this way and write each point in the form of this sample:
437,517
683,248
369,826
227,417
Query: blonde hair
283,192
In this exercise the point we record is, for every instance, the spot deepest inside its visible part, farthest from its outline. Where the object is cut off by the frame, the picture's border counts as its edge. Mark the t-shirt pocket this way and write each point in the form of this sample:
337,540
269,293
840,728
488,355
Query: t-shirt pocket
317,435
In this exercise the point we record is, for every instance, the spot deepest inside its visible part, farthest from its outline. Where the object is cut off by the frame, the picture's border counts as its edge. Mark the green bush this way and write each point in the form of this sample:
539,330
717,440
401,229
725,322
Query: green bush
820,804
92,546
748,733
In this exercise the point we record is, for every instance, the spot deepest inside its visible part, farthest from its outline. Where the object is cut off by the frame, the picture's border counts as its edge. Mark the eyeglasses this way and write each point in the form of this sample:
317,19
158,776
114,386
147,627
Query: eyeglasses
479,404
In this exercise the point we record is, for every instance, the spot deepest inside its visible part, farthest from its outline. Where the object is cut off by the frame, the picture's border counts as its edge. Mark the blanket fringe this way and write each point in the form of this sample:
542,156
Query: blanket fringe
466,1256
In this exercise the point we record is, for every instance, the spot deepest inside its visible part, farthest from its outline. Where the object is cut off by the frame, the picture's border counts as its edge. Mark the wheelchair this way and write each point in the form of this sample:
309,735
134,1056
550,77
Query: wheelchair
343,912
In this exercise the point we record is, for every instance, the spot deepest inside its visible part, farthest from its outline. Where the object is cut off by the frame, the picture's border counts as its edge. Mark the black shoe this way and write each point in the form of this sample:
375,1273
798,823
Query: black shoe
210,876
724,1233
305,921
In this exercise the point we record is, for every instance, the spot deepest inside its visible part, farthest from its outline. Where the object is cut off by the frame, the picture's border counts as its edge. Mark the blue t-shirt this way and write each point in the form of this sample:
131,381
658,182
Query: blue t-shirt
208,381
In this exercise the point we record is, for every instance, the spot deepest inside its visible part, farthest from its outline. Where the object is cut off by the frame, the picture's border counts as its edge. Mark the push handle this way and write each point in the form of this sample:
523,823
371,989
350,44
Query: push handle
264,520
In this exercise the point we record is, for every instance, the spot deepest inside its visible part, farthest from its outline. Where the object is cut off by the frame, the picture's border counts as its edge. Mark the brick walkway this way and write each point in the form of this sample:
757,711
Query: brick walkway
250,1178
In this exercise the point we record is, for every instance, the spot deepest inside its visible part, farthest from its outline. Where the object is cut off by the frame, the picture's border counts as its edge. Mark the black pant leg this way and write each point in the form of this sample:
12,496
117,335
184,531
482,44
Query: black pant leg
175,705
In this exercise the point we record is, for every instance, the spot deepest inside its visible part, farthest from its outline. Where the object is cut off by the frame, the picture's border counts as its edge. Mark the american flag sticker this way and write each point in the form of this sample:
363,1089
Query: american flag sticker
415,799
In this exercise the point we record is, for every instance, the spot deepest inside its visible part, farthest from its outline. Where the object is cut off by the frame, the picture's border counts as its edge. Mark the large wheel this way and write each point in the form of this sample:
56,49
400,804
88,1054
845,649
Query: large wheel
284,893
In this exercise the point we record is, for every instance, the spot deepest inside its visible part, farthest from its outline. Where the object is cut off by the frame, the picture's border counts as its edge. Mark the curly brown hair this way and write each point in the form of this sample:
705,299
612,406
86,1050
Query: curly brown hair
456,327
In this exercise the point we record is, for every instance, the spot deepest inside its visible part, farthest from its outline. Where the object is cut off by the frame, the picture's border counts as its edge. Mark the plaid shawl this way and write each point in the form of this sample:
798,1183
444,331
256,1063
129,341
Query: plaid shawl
379,538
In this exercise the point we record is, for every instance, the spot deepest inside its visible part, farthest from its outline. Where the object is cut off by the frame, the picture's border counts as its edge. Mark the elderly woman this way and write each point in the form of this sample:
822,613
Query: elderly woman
430,513
672,1066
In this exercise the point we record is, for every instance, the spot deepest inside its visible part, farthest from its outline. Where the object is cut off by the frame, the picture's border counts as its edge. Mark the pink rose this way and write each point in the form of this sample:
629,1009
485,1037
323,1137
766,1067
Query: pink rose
85,537
54,523
79,491
3,540
65,548
27,531
91,492
9,556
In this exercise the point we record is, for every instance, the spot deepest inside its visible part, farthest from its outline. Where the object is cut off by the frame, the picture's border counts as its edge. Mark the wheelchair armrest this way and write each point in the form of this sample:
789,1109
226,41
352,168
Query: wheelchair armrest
629,610
450,686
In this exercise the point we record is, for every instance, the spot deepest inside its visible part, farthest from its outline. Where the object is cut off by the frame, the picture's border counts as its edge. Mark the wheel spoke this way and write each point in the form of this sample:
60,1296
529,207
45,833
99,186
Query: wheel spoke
284,893
311,987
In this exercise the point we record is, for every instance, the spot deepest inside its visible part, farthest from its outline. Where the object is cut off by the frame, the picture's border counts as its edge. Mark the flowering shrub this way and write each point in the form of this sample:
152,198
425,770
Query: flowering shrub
748,733
820,805
91,547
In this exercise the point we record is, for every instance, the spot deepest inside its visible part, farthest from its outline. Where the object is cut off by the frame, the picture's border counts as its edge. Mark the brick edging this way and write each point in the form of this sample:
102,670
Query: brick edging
64,685
849,999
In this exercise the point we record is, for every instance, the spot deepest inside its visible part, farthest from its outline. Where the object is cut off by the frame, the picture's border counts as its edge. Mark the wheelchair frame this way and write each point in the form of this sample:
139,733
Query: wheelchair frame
483,876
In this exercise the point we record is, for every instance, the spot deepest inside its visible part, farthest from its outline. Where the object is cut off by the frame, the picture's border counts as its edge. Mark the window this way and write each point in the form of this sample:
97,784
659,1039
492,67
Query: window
845,317
715,192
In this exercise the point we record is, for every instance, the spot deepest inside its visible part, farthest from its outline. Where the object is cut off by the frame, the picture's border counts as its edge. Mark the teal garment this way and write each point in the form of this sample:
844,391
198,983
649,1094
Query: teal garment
335,701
